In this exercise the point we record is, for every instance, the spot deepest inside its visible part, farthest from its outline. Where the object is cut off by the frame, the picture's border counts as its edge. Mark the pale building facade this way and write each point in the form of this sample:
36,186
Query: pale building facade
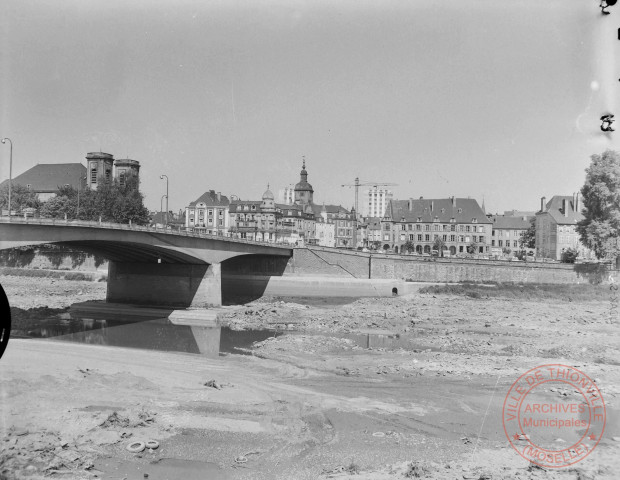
375,201
209,214
555,227
459,222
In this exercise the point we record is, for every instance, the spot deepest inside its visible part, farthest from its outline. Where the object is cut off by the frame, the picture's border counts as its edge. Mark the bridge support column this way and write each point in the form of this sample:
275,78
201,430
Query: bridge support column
174,285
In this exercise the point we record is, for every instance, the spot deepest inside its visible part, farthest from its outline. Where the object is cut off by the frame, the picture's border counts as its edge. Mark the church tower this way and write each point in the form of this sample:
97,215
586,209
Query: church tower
303,190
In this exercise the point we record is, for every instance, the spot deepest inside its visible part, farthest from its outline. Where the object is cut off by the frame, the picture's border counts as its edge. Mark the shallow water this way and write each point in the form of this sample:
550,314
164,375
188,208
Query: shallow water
161,469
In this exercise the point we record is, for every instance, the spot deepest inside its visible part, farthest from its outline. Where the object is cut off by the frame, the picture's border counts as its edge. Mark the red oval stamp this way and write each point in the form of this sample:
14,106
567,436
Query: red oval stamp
554,415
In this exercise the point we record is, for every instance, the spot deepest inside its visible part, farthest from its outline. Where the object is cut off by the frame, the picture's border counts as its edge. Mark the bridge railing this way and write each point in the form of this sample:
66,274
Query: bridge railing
124,226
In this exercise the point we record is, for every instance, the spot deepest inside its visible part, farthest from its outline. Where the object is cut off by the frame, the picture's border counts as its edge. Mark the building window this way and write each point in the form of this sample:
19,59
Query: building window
452,238
500,243
107,175
121,178
427,228
418,227
419,238
492,243
445,238
93,175
515,244
467,228
481,229
427,238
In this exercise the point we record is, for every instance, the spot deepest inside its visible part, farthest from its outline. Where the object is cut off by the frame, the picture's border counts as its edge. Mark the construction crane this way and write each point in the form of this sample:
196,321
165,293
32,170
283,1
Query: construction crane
359,184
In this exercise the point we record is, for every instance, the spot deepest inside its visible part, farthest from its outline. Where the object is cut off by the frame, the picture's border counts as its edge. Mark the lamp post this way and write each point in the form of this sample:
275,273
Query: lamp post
161,204
77,214
4,140
161,177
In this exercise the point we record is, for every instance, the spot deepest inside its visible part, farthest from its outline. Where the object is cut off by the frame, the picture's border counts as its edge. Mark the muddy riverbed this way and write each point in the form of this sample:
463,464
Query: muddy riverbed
403,387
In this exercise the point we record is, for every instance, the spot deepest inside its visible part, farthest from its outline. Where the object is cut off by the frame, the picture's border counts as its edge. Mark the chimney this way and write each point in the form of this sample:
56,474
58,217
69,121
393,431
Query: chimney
219,196
565,207
453,201
432,205
577,202
411,204
543,201
421,198
524,218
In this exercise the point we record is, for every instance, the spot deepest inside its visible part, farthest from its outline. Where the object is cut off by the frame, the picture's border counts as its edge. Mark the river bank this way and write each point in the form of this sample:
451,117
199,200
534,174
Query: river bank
315,404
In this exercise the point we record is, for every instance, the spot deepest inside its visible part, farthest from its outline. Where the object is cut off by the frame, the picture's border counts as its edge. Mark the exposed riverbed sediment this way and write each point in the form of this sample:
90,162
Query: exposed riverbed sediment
316,404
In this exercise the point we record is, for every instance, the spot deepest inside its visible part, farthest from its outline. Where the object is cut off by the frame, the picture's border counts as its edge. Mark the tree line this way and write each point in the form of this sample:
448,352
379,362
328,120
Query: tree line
111,202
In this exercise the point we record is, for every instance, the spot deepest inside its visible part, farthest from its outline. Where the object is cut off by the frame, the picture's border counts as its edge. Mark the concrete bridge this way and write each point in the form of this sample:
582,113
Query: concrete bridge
147,265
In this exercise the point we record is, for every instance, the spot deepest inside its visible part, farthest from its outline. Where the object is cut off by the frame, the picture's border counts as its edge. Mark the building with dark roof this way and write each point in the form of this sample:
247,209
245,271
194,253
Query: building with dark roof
459,222
45,179
209,213
507,232
555,227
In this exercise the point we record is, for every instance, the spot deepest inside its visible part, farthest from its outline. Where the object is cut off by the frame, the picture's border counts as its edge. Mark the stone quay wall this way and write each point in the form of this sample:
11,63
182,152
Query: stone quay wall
353,264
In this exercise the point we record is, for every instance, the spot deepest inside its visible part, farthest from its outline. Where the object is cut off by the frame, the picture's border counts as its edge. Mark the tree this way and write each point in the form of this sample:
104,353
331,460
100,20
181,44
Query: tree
112,202
21,197
59,207
439,244
408,246
472,248
528,237
600,228
506,251
569,255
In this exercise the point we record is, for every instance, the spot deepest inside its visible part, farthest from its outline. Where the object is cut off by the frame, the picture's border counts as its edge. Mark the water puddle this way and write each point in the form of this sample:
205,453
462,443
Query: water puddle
163,469
163,335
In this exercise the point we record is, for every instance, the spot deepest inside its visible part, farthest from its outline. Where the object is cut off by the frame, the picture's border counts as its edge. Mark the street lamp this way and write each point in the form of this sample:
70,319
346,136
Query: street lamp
161,177
161,204
4,140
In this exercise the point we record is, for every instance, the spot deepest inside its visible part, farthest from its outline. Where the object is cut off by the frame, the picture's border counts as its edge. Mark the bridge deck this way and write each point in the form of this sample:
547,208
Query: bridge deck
137,228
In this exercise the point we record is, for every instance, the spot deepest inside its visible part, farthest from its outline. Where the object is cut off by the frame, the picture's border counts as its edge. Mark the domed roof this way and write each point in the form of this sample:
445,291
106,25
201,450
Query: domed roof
303,187
268,195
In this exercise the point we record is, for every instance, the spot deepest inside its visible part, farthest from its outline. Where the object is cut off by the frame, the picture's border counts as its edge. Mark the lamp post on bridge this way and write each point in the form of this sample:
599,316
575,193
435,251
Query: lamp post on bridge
161,177
4,140
161,204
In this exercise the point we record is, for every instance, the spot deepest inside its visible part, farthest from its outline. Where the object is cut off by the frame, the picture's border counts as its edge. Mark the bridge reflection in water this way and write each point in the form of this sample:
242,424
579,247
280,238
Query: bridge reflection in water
152,330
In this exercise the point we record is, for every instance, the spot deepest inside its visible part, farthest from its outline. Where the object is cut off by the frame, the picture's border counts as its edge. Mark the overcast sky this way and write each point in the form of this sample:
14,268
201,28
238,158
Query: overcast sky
476,98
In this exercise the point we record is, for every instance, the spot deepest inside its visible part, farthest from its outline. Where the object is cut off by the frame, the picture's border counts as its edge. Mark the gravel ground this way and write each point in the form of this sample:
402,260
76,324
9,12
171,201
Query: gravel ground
403,387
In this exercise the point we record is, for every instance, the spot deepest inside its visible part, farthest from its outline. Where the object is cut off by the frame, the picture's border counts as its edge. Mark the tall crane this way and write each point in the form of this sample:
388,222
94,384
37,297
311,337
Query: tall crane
359,184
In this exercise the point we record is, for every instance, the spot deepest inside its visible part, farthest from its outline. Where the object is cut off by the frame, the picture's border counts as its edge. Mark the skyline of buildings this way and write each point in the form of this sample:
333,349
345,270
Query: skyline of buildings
460,223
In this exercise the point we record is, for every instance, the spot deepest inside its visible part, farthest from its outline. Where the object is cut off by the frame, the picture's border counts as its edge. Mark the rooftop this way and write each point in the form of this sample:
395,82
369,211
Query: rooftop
463,210
48,177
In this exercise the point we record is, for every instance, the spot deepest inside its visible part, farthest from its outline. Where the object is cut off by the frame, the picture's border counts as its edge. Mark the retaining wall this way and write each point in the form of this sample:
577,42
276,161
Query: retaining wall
329,262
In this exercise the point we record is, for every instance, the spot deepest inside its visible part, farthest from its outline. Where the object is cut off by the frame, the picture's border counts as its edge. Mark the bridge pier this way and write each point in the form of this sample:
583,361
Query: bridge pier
175,285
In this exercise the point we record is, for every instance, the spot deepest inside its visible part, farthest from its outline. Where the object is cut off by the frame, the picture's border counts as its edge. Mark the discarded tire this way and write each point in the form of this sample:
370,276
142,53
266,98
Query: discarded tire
136,447
152,444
